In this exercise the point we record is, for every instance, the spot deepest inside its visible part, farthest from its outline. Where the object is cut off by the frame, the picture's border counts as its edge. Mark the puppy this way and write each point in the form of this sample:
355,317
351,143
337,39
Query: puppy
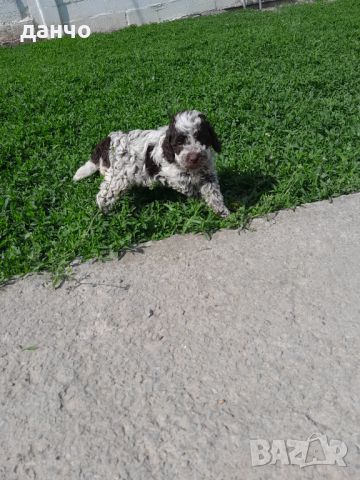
179,155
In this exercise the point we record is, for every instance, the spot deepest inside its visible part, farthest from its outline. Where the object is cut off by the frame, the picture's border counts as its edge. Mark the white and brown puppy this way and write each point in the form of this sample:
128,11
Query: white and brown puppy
178,155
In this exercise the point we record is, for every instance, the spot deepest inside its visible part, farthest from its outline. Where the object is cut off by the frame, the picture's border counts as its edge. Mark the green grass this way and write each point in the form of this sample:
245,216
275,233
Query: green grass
282,89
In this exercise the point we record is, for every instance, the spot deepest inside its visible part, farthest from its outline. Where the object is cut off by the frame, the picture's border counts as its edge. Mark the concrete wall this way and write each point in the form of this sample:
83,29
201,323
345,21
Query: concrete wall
14,14
104,15
12,11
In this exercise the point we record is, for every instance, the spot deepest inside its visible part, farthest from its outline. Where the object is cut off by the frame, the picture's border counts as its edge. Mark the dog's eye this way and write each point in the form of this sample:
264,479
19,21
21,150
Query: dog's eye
180,140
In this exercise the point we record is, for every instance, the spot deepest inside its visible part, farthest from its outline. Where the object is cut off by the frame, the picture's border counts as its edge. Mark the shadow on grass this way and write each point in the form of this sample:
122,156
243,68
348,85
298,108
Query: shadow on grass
142,196
244,189
239,189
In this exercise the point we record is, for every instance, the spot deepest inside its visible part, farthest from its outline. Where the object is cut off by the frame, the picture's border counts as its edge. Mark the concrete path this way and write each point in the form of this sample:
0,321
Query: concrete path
165,364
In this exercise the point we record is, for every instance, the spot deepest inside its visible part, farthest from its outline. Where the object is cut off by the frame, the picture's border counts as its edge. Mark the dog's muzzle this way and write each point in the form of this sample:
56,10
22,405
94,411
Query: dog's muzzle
194,159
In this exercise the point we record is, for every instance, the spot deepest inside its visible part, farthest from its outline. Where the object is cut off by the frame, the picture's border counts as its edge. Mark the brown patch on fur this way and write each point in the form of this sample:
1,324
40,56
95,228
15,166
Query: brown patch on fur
151,167
102,152
168,143
207,136
178,142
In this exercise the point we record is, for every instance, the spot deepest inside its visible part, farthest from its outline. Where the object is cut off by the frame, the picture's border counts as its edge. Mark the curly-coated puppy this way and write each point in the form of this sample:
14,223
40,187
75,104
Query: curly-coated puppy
178,155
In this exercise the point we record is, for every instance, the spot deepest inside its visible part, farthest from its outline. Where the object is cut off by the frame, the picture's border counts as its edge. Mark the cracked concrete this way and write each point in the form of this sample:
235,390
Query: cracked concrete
165,364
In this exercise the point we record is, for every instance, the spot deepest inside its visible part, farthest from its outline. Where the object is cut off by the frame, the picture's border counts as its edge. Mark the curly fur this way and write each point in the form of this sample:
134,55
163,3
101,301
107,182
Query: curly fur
178,155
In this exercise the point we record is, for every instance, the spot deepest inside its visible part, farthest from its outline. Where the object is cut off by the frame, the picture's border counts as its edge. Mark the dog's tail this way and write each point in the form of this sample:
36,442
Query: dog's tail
99,161
85,171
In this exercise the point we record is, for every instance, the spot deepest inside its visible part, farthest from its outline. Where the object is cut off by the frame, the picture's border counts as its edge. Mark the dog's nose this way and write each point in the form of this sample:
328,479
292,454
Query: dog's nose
193,158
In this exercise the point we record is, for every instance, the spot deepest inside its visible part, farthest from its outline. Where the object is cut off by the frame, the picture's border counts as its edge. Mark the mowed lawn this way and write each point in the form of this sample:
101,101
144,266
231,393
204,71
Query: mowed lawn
282,89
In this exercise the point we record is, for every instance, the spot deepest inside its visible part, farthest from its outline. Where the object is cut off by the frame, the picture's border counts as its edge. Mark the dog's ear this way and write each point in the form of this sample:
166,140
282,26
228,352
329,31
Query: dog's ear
215,142
167,148
210,134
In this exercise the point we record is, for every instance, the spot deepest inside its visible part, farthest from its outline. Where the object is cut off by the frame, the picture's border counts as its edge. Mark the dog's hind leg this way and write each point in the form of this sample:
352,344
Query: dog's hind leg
110,191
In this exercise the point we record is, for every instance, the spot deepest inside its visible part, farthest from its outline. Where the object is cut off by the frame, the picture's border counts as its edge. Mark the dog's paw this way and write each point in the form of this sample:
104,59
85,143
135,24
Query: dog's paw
104,210
224,212
103,205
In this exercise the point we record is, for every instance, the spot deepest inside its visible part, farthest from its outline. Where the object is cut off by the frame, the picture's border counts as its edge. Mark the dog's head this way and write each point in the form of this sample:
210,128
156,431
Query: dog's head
189,140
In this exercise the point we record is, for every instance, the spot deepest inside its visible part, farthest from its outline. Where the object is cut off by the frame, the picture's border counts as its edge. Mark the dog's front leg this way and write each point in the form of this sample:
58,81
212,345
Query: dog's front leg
210,192
109,192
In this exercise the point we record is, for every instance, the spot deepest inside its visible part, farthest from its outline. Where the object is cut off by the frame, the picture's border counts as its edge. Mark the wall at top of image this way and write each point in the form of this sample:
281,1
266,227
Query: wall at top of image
12,11
103,15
